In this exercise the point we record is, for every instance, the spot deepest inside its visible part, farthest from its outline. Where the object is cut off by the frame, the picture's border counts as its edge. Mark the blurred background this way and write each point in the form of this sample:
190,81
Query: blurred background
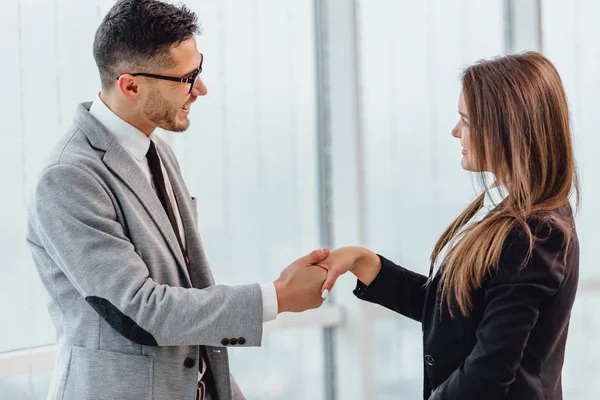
327,123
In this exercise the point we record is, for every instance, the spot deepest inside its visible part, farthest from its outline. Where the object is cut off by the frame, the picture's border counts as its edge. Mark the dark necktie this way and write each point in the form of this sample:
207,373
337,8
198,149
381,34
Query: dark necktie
161,191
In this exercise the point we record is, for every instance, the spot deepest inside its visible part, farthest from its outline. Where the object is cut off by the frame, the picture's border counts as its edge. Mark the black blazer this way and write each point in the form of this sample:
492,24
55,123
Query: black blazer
512,345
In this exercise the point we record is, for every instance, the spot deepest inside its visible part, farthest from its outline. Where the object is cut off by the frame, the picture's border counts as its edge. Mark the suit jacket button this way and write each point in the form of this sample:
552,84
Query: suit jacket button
233,341
241,341
225,342
189,362
429,360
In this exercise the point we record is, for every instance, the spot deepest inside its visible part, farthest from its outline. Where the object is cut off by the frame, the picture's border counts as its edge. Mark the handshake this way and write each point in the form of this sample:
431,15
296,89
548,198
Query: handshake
306,282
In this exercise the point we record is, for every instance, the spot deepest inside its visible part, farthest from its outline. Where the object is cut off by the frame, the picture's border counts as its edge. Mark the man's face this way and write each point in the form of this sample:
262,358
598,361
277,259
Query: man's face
168,103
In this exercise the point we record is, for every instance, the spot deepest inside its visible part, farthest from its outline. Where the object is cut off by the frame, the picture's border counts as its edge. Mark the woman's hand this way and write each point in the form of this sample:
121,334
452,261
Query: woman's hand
361,262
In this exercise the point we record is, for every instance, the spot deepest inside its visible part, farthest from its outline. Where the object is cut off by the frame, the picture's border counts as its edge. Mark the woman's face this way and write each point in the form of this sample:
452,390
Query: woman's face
462,131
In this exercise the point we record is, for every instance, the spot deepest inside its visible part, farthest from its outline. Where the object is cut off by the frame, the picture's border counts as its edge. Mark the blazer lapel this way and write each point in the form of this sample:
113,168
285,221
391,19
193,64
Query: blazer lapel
122,165
200,273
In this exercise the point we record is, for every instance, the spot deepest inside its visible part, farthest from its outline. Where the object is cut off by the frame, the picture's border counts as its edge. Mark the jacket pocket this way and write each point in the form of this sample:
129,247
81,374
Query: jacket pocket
97,374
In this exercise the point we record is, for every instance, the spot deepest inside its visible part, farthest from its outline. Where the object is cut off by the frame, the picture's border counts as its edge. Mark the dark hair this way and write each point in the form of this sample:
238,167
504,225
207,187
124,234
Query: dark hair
136,36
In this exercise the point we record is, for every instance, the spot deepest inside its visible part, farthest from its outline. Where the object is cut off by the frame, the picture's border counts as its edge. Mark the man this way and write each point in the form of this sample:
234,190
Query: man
112,229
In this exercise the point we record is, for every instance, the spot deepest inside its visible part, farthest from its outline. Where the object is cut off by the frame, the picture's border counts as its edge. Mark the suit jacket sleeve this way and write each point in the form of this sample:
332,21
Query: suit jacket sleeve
512,303
78,227
396,288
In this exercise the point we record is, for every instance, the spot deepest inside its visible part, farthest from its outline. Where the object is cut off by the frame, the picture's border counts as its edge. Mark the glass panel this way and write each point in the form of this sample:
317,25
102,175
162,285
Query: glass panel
563,24
582,365
26,387
411,56
25,321
396,361
289,366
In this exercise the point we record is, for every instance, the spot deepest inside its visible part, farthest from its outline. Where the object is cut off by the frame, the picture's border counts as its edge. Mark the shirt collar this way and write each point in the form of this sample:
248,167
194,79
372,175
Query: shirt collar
129,137
495,196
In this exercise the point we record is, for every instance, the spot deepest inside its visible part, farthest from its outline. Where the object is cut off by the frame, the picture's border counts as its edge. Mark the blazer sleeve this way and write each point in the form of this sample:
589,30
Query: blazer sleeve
396,288
511,308
77,224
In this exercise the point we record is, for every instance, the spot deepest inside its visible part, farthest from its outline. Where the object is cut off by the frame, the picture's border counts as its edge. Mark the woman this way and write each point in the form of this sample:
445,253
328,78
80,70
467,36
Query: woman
495,308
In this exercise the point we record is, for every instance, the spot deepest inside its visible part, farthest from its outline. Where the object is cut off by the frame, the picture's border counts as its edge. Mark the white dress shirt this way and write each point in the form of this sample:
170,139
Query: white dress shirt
492,198
136,143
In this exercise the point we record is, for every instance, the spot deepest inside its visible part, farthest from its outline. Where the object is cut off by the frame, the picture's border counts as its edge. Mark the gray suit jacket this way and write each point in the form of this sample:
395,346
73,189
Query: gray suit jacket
129,316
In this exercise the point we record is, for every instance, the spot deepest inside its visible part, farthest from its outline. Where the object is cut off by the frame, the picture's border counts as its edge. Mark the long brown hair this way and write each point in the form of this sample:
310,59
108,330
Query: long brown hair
519,131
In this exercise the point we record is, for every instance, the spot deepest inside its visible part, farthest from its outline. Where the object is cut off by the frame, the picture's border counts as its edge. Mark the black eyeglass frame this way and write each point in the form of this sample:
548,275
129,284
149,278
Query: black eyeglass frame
186,79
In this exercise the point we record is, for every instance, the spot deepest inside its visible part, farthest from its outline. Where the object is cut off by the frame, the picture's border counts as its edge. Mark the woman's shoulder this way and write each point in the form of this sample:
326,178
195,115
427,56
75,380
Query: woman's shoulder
547,244
548,228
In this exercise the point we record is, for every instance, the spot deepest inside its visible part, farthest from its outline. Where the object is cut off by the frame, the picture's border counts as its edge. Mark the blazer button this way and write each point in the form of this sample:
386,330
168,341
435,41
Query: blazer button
233,341
225,342
189,362
241,341
429,360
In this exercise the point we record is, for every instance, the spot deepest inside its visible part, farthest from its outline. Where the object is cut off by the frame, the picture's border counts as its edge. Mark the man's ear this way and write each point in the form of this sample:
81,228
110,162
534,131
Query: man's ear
128,86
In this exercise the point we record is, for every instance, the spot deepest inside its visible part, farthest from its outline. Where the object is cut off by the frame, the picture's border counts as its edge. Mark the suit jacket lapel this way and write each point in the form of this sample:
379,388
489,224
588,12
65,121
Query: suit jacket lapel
200,273
122,165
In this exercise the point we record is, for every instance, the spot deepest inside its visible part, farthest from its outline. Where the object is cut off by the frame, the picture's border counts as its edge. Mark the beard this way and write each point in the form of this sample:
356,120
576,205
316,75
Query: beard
159,111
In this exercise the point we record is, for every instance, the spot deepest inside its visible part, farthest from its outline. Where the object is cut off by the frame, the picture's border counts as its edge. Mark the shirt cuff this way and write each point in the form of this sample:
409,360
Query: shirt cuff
269,299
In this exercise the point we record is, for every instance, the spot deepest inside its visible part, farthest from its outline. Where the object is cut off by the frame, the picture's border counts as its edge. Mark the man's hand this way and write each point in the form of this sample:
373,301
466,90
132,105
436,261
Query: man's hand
299,285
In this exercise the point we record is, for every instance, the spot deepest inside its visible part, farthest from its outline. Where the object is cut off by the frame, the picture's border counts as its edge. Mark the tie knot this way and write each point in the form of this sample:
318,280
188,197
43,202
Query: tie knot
153,159
151,150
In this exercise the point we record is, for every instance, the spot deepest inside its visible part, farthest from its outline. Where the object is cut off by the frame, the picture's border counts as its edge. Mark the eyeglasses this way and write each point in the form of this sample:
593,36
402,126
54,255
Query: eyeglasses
191,79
